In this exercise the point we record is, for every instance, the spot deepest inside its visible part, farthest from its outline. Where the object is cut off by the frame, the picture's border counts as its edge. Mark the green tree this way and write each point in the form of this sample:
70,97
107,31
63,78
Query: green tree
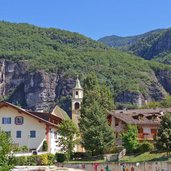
45,146
6,148
166,102
163,139
68,137
129,138
97,135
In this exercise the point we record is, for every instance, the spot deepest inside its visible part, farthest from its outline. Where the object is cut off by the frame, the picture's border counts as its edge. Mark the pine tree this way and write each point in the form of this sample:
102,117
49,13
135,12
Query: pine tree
164,134
97,135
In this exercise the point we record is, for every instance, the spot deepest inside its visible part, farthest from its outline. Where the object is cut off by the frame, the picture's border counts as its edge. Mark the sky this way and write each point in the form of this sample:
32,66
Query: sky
92,18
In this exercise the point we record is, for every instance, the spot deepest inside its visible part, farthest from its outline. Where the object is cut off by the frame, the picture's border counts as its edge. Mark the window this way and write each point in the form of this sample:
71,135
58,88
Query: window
77,105
32,134
76,92
154,131
55,135
19,120
18,134
116,122
6,120
8,133
140,130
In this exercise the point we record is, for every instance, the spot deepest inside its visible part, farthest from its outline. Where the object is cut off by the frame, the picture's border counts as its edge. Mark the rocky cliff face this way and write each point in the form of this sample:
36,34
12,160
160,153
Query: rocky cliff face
40,90
32,90
157,90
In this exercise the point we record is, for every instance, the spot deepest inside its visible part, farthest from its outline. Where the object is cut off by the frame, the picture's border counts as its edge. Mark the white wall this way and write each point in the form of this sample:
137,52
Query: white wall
29,124
54,147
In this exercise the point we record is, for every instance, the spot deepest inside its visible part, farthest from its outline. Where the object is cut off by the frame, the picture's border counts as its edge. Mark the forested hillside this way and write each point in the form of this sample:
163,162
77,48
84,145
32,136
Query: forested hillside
125,42
154,45
63,54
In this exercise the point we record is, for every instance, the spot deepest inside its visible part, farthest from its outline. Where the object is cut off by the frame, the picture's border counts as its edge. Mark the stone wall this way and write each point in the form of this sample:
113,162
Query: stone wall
147,166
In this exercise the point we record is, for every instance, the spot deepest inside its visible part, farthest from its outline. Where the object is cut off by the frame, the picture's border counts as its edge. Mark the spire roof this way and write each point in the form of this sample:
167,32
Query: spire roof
77,84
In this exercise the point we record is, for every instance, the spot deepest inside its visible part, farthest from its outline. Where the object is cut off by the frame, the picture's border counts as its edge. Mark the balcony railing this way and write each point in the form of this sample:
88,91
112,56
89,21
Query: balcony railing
146,136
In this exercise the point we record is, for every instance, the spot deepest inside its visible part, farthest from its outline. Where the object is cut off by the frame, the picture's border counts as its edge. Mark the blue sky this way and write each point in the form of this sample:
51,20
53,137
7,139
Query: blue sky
93,18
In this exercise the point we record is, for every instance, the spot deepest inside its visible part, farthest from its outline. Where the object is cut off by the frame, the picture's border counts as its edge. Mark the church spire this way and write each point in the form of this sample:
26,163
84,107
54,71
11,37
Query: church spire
77,97
77,84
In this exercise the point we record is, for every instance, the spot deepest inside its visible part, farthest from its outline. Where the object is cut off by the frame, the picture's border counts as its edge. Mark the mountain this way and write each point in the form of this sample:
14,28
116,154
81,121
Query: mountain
38,68
154,45
125,42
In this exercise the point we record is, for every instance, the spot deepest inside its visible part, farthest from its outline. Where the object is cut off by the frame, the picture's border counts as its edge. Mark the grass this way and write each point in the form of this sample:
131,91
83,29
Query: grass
146,157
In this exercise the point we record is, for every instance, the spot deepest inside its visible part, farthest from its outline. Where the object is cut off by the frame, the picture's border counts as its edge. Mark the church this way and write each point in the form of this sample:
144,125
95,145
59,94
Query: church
146,120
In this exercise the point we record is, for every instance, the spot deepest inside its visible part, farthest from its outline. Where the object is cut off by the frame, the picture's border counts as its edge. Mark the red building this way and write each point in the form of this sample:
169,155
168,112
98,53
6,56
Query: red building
146,120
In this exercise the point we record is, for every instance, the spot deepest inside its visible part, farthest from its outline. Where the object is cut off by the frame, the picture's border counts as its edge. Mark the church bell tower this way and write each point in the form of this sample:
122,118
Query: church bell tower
77,97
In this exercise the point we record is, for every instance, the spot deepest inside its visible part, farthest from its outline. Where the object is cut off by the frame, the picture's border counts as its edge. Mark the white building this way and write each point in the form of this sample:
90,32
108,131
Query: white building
31,128
77,98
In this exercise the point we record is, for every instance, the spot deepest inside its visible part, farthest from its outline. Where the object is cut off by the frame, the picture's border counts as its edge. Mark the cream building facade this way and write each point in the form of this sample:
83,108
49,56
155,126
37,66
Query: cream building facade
30,129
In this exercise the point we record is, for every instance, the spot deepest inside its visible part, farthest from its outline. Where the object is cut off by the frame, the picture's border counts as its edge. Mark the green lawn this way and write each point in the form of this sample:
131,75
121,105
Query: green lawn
133,158
146,157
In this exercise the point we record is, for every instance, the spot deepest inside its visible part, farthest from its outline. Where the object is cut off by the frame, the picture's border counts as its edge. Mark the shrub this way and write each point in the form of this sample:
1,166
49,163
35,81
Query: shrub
51,158
145,147
79,155
5,168
43,158
118,149
20,161
32,160
60,157
24,148
45,146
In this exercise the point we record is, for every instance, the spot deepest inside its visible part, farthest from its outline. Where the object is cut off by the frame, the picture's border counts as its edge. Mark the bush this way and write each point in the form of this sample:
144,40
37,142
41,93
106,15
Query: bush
20,161
79,155
20,149
24,148
45,146
51,158
43,158
145,147
60,157
118,149
32,160
5,168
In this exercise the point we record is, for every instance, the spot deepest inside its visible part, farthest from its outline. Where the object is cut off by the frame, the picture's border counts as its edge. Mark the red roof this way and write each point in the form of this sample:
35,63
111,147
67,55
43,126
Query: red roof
140,116
44,117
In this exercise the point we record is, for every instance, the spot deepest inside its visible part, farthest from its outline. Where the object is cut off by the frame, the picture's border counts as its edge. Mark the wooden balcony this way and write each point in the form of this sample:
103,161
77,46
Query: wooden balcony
146,136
